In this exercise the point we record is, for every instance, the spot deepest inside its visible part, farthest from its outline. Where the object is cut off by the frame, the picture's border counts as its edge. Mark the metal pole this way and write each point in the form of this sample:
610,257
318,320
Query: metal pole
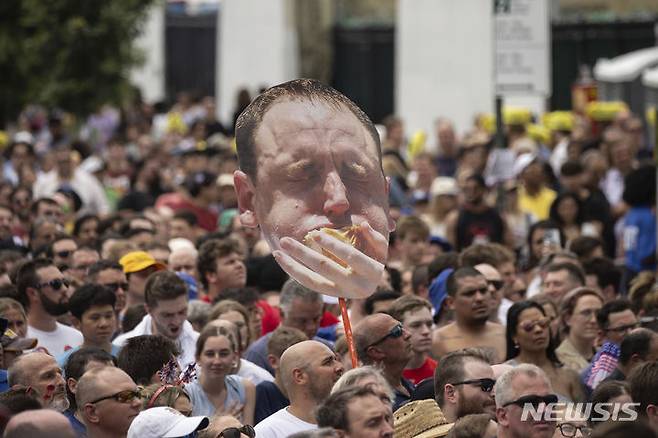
500,135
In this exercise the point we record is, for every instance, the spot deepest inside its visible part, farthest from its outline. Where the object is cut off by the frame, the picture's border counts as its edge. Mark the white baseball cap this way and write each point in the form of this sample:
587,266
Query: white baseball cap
165,422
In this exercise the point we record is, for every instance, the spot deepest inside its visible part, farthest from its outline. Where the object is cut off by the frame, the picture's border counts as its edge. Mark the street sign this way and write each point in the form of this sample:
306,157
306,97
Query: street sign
522,47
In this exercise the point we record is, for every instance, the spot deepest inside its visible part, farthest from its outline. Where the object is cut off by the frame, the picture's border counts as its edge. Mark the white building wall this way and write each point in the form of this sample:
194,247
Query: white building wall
256,46
444,62
150,76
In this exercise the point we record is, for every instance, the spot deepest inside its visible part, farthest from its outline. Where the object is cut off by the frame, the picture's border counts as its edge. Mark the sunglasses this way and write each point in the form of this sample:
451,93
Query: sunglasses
623,328
122,397
529,326
235,432
56,284
534,400
115,286
497,284
569,430
395,332
63,254
486,384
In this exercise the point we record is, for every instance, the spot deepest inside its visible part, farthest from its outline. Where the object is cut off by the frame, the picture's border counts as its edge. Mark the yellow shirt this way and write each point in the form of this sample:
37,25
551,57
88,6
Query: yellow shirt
539,206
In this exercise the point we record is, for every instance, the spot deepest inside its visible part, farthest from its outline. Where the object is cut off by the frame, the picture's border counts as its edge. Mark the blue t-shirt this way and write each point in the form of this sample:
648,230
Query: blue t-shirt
640,239
269,399
4,383
79,428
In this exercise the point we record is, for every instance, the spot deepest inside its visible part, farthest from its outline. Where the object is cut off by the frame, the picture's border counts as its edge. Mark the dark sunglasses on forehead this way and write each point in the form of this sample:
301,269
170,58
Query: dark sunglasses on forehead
235,432
534,400
115,286
395,332
56,284
486,385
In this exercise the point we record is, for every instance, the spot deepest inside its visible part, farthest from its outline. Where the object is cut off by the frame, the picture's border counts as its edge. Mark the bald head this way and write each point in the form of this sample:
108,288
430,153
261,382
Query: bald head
299,357
39,423
369,330
98,382
22,370
489,272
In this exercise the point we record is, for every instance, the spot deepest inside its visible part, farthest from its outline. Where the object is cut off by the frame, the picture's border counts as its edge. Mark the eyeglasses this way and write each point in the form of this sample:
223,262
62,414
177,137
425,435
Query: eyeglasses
115,286
534,400
497,284
529,326
569,430
63,254
395,332
122,397
234,432
623,328
486,384
56,284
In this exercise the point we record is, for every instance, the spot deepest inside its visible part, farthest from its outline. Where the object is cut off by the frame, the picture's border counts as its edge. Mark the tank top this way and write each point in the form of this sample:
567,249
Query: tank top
201,405
473,228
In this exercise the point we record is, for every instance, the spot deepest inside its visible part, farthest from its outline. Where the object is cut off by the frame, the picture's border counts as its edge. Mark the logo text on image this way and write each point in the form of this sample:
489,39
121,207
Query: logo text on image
580,412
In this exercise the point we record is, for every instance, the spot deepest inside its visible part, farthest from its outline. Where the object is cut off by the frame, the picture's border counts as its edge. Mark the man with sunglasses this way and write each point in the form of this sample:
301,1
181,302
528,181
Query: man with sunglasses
110,274
381,340
524,385
463,384
495,283
108,401
61,250
43,289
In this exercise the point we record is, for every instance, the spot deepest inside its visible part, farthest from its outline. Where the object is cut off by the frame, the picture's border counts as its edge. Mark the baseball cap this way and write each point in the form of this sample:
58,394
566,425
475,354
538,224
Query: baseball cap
444,185
165,422
136,261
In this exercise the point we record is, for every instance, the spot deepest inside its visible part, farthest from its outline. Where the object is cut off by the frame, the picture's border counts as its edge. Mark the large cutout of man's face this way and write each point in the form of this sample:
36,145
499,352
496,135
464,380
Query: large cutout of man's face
317,166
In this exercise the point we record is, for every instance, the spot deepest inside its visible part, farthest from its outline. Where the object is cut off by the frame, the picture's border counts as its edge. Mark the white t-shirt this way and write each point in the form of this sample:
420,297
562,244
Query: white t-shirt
282,424
254,373
58,341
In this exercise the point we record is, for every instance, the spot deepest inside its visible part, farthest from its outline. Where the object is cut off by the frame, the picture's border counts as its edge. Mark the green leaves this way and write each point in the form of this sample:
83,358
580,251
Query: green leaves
71,54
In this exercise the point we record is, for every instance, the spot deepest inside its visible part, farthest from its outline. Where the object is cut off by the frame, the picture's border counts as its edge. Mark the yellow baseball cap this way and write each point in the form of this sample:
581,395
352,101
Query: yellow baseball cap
136,261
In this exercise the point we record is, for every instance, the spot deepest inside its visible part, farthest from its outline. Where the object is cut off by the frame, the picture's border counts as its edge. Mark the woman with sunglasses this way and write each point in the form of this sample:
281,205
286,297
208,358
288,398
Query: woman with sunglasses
218,391
529,340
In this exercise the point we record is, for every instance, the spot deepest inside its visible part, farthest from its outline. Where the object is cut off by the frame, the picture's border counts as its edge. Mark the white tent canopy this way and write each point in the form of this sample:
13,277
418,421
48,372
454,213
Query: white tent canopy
627,67
650,78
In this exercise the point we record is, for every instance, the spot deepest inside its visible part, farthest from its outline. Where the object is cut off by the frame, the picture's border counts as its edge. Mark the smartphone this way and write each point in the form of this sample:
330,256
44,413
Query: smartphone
552,238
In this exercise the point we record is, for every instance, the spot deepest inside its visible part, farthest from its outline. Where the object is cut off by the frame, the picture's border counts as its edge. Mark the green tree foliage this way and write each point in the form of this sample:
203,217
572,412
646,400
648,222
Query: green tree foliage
72,54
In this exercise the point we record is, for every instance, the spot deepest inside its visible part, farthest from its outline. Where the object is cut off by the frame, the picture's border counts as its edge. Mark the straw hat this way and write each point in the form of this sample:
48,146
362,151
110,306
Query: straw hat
420,419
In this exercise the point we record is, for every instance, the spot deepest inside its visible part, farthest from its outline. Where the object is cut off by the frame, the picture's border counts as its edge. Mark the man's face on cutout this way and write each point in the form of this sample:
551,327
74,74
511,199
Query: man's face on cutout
317,166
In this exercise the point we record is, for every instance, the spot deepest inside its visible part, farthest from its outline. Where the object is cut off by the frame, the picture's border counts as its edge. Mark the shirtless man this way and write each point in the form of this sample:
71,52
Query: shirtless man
469,297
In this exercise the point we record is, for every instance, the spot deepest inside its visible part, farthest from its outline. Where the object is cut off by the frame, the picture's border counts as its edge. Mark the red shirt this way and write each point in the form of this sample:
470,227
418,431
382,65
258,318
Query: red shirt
417,375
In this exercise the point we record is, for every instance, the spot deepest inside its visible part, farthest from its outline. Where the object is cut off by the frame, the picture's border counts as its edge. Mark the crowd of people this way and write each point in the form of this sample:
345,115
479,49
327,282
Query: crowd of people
142,293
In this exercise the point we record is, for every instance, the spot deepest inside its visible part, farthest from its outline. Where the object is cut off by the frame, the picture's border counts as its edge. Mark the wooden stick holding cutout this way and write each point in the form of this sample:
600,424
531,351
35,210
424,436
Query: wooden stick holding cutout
349,236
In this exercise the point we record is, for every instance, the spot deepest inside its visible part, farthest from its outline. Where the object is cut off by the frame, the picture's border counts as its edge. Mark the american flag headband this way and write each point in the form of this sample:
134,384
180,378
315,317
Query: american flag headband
170,379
